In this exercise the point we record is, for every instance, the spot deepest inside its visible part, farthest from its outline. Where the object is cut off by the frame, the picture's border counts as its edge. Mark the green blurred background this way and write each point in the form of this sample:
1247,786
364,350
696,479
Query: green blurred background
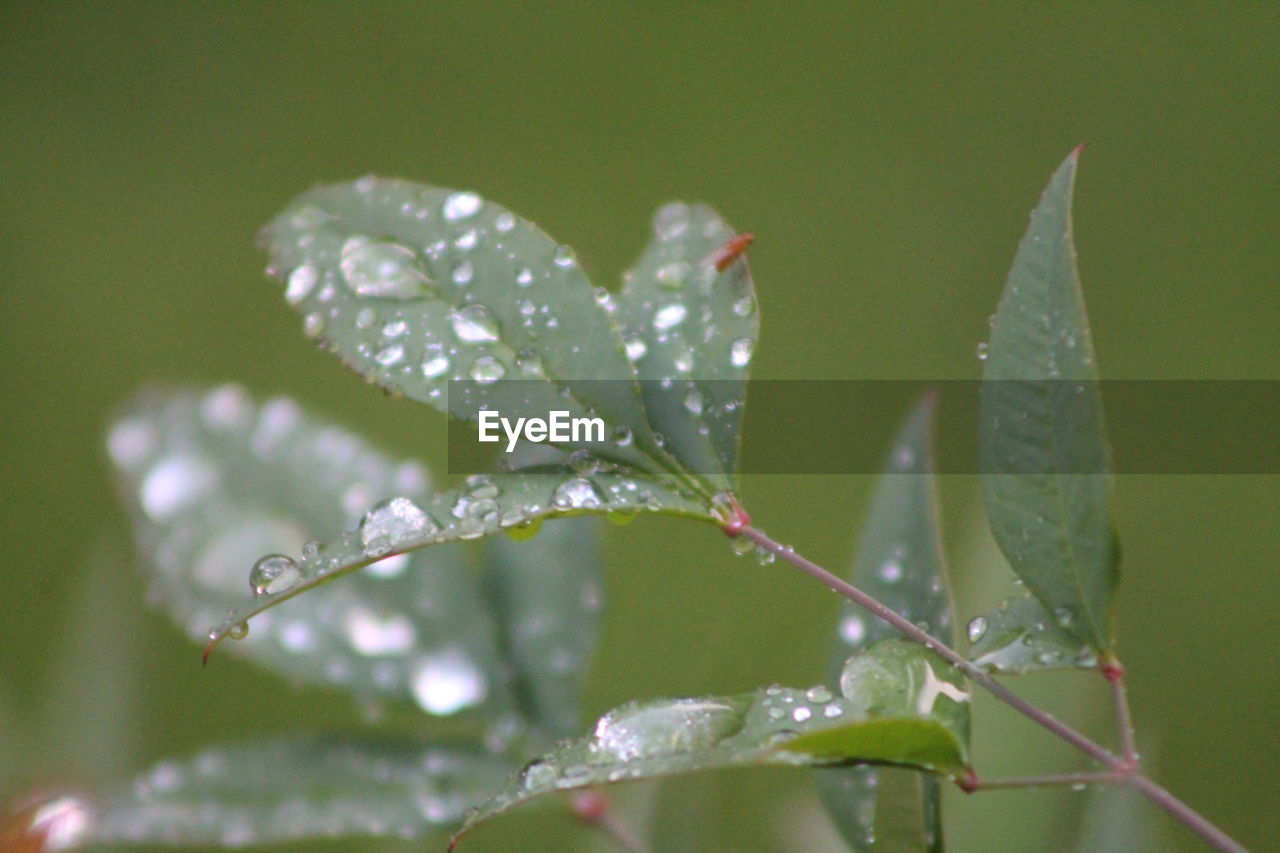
886,156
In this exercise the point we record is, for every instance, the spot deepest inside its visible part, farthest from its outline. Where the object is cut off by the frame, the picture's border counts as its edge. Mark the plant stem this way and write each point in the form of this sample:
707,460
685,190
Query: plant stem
1187,816
1045,781
1084,744
1122,767
1124,717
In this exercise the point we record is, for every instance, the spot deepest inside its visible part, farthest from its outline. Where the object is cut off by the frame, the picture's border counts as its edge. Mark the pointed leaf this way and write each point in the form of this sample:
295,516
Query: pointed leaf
1043,448
413,286
481,507
899,703
293,788
1023,636
899,561
688,313
546,596
215,480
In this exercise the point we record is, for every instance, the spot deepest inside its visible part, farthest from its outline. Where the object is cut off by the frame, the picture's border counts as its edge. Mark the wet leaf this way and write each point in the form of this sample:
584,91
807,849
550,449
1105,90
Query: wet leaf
690,323
301,787
546,594
215,480
1044,453
482,506
898,561
1022,635
414,286
898,702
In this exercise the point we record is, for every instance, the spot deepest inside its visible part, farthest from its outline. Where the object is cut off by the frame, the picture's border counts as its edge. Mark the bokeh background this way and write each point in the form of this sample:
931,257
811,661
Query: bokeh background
885,155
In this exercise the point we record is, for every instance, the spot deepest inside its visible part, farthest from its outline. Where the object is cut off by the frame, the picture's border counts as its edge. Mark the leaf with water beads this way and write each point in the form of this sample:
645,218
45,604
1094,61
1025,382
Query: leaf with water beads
690,323
1043,447
546,594
898,702
301,787
214,480
1022,635
413,286
899,561
482,506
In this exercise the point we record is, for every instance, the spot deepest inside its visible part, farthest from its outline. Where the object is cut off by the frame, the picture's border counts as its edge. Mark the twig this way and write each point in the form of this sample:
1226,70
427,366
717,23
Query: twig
1122,767
1062,779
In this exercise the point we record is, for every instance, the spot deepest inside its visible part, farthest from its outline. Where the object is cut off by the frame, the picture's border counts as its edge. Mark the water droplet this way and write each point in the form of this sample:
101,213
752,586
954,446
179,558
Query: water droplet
982,351
683,360
524,278
765,557
693,402
463,273
563,256
890,571
435,366
977,629
382,269
740,352
467,240
301,282
446,682
537,774
504,221
577,493
741,546
583,462
474,324
801,713
1064,615
373,634
461,205
238,631
391,523
365,318
665,728
673,276
636,348
390,356
818,694
175,484
486,370
832,711
622,435
274,573
744,306
669,316
671,221
853,630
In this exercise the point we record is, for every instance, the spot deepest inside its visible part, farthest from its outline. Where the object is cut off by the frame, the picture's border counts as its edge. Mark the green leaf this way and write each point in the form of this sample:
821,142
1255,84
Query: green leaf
546,595
1021,636
413,286
301,787
1044,453
691,329
898,561
899,703
481,507
215,480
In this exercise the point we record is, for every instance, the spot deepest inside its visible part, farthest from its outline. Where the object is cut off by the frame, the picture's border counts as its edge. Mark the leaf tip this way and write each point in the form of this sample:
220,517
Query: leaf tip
208,649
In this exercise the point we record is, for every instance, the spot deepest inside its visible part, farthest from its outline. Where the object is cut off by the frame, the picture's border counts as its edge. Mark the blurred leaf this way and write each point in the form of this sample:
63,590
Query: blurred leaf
1043,447
214,481
688,314
301,787
899,703
898,561
1023,636
483,506
546,595
413,286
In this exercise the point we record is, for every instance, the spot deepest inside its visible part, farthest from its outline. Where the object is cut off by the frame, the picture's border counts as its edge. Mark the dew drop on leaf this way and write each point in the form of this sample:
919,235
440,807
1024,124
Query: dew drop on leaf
393,522
274,573
382,269
474,324
461,205
977,629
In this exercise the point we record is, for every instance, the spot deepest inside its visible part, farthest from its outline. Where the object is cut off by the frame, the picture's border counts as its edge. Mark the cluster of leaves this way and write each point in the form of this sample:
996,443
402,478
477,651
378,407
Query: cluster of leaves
413,286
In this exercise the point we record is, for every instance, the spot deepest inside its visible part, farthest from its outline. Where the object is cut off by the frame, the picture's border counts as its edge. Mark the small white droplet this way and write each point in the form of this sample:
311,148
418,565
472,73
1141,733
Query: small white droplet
669,316
486,370
636,347
740,352
301,282
461,205
504,222
977,629
474,324
435,366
